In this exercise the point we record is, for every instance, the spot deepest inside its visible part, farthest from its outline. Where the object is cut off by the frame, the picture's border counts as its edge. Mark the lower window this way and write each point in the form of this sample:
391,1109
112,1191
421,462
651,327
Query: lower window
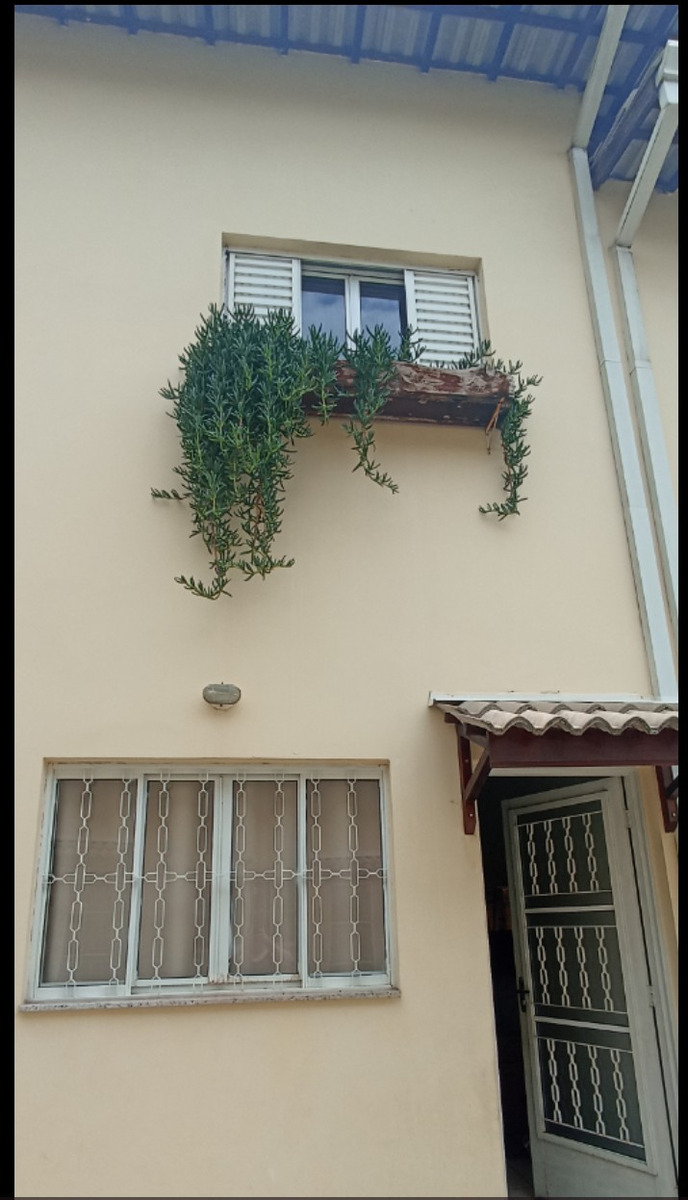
157,883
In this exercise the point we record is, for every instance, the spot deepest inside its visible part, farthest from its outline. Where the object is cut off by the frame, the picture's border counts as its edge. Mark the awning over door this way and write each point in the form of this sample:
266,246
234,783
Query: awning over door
529,733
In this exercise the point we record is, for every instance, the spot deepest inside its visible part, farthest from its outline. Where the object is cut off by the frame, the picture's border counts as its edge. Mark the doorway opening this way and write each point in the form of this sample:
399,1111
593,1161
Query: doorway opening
505,983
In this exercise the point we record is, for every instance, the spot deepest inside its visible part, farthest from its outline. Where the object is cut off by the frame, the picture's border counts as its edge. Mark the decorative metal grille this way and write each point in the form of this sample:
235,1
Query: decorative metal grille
176,880
587,1073
264,877
346,877
168,881
89,882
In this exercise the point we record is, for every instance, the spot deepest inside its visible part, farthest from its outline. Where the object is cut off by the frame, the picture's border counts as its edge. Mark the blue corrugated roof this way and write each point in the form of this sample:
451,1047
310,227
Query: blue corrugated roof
548,44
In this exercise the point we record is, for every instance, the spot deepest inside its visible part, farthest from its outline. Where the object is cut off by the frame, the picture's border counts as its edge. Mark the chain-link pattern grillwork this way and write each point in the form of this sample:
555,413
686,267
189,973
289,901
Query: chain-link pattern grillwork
589,1090
316,907
159,880
88,882
143,893
600,1127
354,936
570,855
593,885
345,877
263,879
619,1097
543,972
122,880
583,974
76,911
587,1093
176,880
553,1084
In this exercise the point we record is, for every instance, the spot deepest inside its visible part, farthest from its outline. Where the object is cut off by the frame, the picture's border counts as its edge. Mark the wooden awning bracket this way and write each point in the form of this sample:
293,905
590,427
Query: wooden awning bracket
667,784
472,779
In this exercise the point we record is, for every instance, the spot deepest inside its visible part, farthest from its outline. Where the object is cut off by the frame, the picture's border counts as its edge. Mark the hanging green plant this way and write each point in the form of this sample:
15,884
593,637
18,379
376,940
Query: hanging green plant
373,361
240,409
514,446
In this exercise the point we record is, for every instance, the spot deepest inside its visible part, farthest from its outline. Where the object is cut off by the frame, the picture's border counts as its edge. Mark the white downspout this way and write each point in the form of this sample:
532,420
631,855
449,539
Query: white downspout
647,412
649,422
643,548
639,525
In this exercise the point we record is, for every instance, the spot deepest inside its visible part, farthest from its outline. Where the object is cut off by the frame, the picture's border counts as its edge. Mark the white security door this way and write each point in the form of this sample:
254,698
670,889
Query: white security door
597,1113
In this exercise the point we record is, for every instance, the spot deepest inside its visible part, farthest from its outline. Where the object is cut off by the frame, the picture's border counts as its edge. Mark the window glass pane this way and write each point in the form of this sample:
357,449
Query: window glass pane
89,883
384,304
264,892
345,910
322,304
175,903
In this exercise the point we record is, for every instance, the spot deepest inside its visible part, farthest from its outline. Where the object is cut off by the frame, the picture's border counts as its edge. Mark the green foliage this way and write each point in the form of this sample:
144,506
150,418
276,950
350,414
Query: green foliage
514,447
323,352
240,410
372,359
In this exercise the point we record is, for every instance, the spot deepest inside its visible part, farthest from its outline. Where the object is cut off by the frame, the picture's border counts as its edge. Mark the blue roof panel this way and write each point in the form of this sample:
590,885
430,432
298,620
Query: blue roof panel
547,44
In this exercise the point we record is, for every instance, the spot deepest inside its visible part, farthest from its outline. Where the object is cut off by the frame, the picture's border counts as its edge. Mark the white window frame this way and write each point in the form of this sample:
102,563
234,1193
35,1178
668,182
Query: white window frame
352,277
441,305
219,984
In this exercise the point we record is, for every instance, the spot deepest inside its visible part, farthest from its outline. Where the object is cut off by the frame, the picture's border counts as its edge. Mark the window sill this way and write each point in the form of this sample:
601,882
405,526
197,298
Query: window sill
432,395
247,996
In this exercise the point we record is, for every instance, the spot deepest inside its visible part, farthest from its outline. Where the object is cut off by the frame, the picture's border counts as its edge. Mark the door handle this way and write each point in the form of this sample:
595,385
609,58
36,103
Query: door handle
522,991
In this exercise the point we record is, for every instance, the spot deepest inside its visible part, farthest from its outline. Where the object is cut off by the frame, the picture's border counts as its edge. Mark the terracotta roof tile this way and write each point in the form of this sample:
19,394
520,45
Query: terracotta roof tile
537,717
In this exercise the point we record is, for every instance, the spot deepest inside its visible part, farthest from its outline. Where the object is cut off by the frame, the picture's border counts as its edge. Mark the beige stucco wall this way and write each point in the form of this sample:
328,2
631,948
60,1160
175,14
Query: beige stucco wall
134,157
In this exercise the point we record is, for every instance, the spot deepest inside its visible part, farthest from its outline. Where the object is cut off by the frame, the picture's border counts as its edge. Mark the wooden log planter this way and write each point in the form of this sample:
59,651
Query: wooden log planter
477,397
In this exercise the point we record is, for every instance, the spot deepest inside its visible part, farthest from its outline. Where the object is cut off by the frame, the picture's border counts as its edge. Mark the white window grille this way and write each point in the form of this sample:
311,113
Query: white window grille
161,883
440,306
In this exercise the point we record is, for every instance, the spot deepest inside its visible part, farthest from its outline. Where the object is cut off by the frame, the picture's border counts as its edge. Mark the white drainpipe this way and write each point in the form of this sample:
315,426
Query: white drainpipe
657,148
641,530
649,423
640,526
648,417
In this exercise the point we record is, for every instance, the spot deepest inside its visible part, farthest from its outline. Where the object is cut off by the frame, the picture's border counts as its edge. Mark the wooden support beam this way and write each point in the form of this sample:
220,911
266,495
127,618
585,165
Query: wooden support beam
594,748
667,784
479,737
472,781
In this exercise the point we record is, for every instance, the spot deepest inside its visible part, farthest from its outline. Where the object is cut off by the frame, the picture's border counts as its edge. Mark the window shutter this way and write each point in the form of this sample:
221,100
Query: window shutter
441,309
264,281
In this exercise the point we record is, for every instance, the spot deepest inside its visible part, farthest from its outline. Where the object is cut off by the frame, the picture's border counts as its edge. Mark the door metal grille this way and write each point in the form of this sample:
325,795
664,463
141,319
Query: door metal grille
587,1073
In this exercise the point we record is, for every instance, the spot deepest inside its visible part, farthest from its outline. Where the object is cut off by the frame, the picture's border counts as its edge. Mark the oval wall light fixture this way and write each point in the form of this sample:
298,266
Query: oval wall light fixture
221,695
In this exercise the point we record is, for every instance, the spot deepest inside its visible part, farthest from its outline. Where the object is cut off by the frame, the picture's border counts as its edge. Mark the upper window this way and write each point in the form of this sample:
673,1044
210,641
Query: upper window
163,883
439,305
